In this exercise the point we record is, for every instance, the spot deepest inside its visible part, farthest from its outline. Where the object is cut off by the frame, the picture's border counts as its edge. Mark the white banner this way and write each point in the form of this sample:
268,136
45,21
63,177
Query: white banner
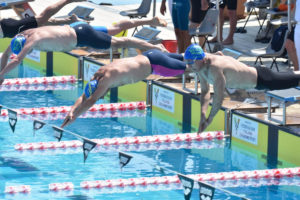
90,69
244,129
34,55
163,98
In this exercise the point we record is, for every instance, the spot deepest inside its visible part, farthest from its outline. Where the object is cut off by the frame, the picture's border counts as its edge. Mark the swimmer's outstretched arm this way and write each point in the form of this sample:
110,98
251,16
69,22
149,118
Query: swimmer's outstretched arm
4,58
219,87
15,61
83,104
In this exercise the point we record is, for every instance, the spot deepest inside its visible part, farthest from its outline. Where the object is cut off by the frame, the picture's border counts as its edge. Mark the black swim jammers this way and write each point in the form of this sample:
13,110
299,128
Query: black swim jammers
270,80
165,64
87,36
12,27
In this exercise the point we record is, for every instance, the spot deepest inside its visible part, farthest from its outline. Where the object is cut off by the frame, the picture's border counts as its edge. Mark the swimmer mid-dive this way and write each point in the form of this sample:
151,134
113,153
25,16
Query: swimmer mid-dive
11,27
126,71
217,69
224,71
68,37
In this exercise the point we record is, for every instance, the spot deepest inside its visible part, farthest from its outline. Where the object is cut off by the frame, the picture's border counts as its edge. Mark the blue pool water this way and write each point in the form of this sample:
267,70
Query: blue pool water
40,168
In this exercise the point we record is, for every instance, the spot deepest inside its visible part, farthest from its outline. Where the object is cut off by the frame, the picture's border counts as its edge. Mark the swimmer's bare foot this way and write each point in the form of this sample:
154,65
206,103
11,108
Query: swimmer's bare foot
156,21
228,41
76,0
162,48
74,18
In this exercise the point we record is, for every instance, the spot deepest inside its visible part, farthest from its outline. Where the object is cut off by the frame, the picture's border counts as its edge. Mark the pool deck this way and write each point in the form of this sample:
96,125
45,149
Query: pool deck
106,15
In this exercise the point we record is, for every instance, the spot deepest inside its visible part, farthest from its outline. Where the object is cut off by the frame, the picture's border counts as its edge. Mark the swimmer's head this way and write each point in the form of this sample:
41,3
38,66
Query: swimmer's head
90,88
17,44
194,52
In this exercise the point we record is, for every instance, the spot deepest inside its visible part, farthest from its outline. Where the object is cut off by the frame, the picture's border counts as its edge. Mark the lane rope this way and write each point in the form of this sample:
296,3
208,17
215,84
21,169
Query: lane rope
183,137
66,109
40,80
254,178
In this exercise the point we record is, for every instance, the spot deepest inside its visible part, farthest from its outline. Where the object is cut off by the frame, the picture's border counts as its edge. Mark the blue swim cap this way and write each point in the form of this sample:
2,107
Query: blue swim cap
90,88
17,44
194,52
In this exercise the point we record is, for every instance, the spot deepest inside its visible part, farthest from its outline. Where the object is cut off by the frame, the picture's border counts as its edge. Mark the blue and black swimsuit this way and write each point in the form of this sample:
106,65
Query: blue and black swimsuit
165,64
89,36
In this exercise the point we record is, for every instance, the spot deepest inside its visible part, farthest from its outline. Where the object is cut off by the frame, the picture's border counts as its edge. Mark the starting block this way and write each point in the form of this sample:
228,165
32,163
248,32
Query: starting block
21,7
289,95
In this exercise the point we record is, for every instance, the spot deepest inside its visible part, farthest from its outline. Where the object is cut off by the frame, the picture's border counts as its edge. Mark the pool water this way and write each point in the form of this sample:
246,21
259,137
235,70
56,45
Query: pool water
40,168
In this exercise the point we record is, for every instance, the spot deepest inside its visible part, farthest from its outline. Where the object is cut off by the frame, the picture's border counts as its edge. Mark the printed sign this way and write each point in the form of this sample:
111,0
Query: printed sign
124,159
58,133
34,55
244,129
37,125
12,119
188,185
87,147
90,69
206,192
163,98
27,13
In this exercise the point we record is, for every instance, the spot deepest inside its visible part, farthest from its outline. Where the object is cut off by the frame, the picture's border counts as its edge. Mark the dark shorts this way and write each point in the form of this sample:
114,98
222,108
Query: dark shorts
165,64
291,35
89,37
180,14
11,27
197,15
231,4
270,80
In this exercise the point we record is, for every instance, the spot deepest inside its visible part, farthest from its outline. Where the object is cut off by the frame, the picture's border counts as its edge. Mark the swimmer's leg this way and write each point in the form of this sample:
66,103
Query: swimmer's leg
127,24
43,18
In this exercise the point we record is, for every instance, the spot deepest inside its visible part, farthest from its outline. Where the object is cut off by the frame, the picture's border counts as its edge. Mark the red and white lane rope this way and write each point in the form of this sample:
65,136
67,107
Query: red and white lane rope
66,109
88,114
255,178
17,189
242,175
61,186
69,186
132,147
288,181
186,137
40,80
10,88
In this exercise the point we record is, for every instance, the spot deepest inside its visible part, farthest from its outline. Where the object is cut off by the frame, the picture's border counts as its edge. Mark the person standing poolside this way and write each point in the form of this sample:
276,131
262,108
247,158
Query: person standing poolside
297,29
11,27
197,14
65,38
231,6
180,18
224,71
125,71
291,49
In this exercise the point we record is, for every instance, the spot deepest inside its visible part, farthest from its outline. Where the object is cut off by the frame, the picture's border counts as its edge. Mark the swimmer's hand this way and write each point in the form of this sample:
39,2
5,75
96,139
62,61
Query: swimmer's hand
1,79
98,75
203,124
68,120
